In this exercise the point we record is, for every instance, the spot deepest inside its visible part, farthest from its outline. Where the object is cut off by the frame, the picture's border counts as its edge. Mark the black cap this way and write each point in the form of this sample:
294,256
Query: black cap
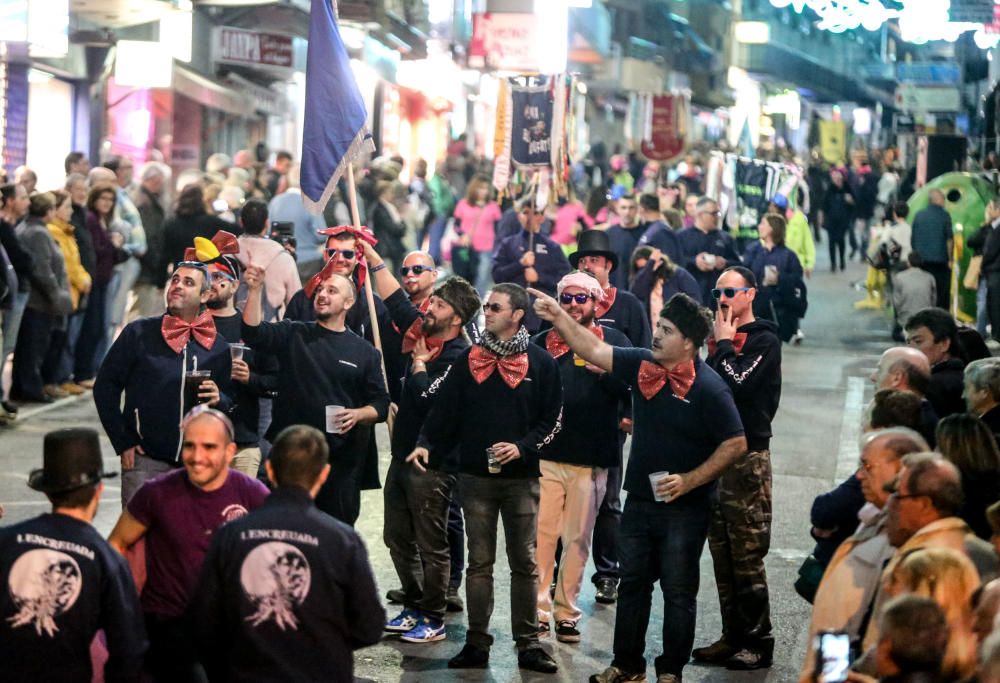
593,243
71,459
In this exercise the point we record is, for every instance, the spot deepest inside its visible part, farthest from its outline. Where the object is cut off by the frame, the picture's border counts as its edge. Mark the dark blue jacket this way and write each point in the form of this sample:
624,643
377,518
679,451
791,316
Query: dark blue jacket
141,365
550,264
718,242
660,236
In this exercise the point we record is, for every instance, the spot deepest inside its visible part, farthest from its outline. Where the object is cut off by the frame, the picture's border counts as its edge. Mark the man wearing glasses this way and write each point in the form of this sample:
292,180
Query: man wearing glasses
575,466
530,259
706,249
687,432
746,353
254,375
922,512
149,362
498,405
419,499
853,573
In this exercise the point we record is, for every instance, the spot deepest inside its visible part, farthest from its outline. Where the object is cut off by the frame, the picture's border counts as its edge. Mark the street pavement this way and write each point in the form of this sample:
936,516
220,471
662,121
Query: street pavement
814,447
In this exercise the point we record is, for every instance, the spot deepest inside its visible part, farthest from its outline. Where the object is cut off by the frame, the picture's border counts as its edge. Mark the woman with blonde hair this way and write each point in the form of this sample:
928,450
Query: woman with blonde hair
949,577
476,216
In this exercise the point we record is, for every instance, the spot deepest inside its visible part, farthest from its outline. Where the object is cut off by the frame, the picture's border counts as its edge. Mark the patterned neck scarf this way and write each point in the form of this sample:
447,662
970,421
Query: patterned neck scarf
516,344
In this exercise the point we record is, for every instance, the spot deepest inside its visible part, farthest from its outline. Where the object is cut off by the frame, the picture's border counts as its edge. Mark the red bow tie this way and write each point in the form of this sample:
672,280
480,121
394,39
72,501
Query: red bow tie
738,341
176,332
604,305
513,369
557,346
653,377
416,333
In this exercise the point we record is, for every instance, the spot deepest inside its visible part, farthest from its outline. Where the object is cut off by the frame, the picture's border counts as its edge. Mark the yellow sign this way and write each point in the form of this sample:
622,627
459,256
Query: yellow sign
833,141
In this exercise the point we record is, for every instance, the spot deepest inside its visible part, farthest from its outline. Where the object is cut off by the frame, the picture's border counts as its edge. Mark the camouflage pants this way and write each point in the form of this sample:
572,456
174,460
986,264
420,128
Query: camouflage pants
739,537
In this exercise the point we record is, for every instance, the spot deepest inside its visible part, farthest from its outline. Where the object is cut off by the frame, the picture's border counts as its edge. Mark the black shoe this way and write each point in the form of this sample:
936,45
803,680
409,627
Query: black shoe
566,632
536,659
607,591
9,407
718,652
748,660
471,657
26,398
454,601
396,596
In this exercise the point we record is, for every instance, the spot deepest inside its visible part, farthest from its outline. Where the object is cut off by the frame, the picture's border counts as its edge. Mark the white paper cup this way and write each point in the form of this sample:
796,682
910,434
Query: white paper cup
331,419
654,479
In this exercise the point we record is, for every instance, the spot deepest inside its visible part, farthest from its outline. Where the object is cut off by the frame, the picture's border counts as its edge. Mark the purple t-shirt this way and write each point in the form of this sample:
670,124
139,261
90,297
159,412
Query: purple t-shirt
179,519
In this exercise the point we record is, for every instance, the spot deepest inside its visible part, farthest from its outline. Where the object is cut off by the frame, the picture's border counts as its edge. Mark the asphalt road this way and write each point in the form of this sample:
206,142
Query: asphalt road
825,387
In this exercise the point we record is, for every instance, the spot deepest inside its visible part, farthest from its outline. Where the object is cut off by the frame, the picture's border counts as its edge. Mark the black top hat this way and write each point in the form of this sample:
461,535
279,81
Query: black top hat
593,243
71,459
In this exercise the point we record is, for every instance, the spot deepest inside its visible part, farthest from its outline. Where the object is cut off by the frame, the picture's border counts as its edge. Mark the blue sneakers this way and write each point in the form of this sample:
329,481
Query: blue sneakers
403,623
427,631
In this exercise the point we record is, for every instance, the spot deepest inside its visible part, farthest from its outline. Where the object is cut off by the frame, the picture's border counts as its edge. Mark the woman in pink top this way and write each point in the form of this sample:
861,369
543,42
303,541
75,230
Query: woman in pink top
571,218
477,216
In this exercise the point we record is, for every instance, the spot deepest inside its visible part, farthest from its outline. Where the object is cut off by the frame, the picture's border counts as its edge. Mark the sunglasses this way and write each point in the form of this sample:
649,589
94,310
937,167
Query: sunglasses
567,298
496,308
417,270
346,254
730,292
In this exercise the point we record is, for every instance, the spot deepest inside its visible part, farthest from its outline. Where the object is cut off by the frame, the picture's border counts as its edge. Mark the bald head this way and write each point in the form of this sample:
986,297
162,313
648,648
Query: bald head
936,197
418,276
904,368
99,174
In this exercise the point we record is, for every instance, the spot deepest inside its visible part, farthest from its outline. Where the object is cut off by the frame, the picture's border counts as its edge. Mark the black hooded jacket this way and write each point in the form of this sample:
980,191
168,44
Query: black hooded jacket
754,375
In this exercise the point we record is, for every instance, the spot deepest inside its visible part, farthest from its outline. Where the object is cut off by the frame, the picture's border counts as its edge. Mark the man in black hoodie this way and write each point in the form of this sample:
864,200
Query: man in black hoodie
933,331
418,497
285,578
497,406
746,353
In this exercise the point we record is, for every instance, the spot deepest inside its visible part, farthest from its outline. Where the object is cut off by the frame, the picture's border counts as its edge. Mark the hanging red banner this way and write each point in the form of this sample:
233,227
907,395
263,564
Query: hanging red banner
668,136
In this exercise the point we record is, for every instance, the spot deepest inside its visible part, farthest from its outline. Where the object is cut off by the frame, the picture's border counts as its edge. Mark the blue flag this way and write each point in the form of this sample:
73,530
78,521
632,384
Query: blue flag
333,131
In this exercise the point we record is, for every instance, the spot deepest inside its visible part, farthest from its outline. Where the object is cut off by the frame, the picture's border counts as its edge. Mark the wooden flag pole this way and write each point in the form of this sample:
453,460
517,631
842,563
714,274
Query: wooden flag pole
369,294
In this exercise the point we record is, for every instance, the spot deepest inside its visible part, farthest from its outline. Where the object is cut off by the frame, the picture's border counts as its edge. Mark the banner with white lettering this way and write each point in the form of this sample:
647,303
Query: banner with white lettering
531,139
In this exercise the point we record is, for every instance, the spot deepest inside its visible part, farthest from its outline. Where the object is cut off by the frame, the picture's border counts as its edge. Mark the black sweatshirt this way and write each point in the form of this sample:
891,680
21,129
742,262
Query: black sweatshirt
947,384
628,316
63,583
754,375
473,417
319,367
589,434
359,321
246,397
415,401
286,593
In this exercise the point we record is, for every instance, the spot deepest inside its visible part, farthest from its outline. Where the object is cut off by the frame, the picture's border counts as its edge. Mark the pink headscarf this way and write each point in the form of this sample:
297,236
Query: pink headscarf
587,283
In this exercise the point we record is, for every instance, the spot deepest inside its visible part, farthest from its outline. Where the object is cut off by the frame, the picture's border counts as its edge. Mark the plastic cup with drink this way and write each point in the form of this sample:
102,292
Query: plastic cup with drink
192,387
331,419
236,351
492,461
654,479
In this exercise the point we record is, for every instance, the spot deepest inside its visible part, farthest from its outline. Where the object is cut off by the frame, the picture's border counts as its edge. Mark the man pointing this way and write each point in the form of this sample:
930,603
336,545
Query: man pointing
686,432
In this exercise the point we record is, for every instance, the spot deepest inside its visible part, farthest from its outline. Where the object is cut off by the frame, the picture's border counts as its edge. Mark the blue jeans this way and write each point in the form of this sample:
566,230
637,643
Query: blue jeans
659,542
484,271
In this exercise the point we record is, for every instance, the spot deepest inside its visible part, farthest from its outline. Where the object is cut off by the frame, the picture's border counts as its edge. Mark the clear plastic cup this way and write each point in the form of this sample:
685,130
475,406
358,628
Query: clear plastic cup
654,479
492,461
236,351
331,419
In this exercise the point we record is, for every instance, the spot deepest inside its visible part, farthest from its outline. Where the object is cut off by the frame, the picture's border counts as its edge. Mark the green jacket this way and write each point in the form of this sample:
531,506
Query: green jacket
798,238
